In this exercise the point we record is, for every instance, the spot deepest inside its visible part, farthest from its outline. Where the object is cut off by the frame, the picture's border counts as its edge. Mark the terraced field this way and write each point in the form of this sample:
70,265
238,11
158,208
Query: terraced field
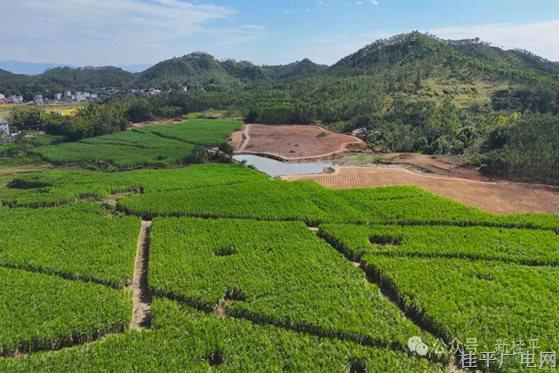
217,267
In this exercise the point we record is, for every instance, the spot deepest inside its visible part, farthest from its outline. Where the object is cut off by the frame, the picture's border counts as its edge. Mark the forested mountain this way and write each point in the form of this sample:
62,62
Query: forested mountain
411,92
300,69
403,58
60,79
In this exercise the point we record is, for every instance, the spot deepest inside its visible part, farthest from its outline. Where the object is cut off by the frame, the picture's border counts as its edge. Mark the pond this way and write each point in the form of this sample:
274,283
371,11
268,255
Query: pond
273,167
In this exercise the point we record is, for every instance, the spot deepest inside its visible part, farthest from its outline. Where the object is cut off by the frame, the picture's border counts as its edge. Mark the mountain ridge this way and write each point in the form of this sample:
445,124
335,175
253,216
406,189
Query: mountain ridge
424,55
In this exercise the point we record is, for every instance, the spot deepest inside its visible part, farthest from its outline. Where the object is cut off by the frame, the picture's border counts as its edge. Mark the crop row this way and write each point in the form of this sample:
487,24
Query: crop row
274,272
54,187
514,245
41,312
494,303
207,132
306,201
234,191
152,146
115,151
182,338
75,241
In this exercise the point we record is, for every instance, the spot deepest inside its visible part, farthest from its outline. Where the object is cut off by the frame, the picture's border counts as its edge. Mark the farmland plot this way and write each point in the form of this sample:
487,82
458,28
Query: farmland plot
122,150
76,241
274,273
153,146
512,245
207,132
182,338
489,301
55,187
41,312
309,202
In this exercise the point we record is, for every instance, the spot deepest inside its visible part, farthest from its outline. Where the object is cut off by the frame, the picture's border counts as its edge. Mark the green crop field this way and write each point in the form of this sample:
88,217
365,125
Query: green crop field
182,339
174,266
509,245
276,272
197,131
487,300
78,241
153,146
41,312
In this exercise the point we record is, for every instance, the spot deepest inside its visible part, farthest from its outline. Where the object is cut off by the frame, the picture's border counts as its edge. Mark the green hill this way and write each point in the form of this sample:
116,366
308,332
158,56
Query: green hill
196,70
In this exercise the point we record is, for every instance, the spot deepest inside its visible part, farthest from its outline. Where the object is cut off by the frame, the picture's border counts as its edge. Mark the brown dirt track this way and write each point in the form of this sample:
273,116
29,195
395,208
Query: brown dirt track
296,142
493,197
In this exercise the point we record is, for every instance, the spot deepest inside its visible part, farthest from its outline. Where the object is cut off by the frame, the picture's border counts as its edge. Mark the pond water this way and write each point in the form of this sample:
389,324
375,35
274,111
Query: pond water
277,168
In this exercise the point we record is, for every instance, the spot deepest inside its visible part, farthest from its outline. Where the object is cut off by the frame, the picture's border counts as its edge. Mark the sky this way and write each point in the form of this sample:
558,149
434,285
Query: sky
128,32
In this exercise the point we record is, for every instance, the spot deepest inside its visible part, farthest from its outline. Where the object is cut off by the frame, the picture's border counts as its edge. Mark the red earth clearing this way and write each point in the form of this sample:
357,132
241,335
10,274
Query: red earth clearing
296,142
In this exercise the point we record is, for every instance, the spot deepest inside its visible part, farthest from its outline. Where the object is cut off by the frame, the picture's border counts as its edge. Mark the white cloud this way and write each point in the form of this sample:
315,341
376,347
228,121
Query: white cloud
541,38
110,31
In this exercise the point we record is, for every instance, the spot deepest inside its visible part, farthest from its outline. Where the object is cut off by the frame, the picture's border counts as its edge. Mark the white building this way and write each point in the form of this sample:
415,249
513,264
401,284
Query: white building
38,100
15,99
58,96
80,96
2,96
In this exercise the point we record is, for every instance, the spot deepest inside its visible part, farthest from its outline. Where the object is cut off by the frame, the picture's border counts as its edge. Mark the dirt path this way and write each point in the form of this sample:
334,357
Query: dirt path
13,170
298,142
237,139
141,313
493,197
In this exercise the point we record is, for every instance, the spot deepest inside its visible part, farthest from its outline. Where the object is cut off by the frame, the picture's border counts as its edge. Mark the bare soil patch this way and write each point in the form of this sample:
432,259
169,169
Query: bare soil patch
236,139
440,165
493,197
298,142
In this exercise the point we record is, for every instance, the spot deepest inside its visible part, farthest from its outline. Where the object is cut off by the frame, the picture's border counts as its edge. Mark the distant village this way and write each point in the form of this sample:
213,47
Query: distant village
6,135
75,96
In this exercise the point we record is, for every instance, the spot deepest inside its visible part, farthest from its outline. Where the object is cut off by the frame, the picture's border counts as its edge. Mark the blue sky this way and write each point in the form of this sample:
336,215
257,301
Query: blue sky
123,32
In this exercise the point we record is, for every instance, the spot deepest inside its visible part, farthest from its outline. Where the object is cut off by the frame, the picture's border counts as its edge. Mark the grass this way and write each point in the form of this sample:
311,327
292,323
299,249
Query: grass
313,204
511,245
59,186
476,299
151,146
181,338
205,132
79,241
42,312
278,273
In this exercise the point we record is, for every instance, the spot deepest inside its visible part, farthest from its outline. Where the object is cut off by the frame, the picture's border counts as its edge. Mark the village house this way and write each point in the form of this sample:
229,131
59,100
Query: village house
16,99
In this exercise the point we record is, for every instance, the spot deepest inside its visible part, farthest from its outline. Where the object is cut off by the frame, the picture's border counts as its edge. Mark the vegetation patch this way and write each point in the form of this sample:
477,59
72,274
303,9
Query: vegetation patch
80,241
460,299
302,284
530,247
161,146
41,312
241,344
